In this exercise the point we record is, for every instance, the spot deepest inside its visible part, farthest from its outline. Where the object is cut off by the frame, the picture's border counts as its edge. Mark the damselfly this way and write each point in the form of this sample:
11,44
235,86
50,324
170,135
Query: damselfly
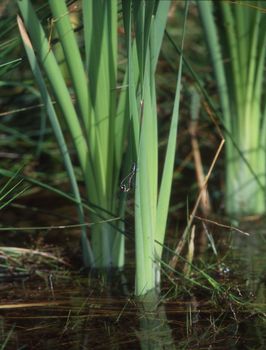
126,183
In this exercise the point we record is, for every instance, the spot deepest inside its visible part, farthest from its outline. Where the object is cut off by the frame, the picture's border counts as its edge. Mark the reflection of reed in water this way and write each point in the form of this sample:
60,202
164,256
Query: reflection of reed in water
250,252
155,332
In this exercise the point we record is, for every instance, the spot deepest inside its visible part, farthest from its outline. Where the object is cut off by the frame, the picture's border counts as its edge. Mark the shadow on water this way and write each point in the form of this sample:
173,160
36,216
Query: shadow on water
64,310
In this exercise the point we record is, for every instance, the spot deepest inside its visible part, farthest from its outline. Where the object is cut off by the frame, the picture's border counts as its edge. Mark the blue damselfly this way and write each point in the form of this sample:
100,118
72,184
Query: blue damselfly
126,183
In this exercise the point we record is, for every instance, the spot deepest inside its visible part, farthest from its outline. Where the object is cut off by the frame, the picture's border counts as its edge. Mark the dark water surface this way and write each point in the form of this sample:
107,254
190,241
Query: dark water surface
68,311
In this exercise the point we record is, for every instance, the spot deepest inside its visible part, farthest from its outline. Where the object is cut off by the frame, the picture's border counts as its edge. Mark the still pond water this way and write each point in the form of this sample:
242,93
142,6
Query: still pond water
62,310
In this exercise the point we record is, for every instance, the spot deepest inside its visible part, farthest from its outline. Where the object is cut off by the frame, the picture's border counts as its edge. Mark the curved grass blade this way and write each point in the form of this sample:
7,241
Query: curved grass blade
87,251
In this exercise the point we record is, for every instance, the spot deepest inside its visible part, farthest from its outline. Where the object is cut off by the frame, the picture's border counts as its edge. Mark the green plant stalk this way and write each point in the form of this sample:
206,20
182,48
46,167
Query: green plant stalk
146,192
166,182
142,118
240,84
73,60
100,32
94,134
151,205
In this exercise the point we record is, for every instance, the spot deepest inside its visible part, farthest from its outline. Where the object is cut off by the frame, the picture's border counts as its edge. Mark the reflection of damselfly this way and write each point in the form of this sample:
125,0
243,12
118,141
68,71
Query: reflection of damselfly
126,183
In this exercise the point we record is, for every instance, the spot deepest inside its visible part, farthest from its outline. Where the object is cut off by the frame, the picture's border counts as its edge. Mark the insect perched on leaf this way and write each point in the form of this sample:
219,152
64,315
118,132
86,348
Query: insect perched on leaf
126,183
